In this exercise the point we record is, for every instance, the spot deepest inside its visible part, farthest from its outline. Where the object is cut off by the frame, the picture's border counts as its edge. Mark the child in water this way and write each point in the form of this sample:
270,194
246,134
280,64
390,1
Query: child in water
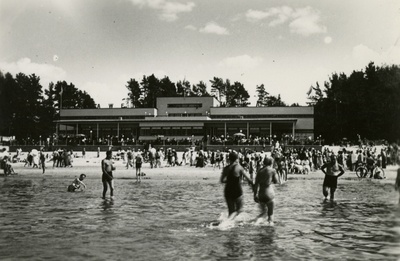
76,184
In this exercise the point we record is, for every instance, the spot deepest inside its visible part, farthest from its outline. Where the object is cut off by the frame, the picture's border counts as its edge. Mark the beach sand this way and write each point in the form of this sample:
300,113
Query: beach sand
90,165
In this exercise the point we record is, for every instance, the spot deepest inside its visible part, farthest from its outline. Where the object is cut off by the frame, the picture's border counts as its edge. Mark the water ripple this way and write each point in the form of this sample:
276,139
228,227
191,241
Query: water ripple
173,220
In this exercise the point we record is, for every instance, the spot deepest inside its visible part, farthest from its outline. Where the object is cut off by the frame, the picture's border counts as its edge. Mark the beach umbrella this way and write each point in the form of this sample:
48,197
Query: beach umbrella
239,134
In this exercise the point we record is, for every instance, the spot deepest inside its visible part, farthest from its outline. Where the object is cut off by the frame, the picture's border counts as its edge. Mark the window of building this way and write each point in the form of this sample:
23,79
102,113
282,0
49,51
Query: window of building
197,131
145,131
156,131
185,105
186,131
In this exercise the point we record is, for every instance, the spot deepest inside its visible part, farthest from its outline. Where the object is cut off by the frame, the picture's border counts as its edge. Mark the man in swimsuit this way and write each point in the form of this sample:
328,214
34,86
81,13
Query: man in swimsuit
107,178
231,175
332,171
265,179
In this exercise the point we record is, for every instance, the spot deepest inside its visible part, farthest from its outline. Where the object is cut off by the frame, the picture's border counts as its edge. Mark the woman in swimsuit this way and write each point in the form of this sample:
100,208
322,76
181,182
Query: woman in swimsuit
231,176
265,180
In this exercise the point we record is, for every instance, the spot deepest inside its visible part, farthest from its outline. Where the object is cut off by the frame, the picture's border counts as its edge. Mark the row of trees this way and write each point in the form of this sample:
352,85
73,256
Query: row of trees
28,112
365,104
144,94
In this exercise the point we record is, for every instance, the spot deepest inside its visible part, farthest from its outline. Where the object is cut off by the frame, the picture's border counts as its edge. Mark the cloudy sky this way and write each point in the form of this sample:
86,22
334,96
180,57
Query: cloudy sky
98,45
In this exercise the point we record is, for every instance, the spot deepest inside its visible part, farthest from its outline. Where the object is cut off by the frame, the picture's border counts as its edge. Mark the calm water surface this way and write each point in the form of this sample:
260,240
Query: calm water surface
171,220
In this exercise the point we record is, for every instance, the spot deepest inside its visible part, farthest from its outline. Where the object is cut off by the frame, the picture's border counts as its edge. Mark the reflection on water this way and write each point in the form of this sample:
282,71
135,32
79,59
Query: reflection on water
173,220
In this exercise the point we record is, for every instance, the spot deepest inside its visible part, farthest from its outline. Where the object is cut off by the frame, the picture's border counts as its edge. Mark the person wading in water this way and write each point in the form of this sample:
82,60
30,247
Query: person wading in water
265,179
107,177
232,176
332,171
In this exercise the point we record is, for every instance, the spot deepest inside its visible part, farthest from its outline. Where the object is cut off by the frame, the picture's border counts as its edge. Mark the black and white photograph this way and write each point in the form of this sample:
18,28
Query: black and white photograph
199,130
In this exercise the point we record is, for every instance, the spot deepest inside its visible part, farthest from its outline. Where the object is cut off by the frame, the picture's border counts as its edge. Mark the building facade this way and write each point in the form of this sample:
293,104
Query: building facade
182,117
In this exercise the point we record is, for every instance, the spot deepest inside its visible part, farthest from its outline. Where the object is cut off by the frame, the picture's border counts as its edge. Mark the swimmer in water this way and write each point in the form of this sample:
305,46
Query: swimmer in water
107,177
77,183
332,170
231,176
264,185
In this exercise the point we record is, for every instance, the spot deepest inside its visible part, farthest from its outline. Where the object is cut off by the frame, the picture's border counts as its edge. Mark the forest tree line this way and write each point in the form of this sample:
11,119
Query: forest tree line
364,104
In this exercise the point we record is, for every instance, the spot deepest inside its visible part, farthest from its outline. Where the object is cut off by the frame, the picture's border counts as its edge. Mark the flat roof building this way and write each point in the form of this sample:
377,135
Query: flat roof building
182,117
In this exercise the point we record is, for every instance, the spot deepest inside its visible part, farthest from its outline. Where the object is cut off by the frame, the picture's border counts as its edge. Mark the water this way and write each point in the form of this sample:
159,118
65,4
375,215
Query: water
172,220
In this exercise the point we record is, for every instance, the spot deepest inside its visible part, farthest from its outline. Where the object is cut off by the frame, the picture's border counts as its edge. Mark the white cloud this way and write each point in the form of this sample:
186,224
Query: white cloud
190,27
47,72
241,62
304,21
361,55
328,40
214,28
256,15
279,15
169,10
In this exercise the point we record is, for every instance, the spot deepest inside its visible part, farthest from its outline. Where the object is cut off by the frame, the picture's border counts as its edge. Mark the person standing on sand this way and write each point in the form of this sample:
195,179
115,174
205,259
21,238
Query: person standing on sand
42,160
138,165
231,176
107,167
332,171
265,179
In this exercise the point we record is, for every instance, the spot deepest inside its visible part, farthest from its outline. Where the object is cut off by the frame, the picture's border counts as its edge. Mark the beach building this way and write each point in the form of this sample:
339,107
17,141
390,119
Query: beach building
182,117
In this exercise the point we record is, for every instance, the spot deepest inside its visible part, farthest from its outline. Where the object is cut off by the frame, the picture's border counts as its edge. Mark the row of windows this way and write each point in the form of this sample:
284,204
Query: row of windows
185,105
171,131
101,117
262,116
184,114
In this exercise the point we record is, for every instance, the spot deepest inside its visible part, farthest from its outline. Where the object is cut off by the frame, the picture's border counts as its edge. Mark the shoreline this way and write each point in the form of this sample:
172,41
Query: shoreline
90,165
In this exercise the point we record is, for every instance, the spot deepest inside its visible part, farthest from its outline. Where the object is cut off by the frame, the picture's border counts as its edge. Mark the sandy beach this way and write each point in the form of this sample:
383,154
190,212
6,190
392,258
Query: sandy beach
90,165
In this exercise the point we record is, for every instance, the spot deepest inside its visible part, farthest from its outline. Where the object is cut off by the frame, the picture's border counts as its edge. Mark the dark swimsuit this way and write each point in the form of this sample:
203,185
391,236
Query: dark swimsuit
233,188
330,181
105,178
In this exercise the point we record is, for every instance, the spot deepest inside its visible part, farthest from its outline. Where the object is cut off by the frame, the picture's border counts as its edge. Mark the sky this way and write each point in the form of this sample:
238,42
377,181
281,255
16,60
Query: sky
99,45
